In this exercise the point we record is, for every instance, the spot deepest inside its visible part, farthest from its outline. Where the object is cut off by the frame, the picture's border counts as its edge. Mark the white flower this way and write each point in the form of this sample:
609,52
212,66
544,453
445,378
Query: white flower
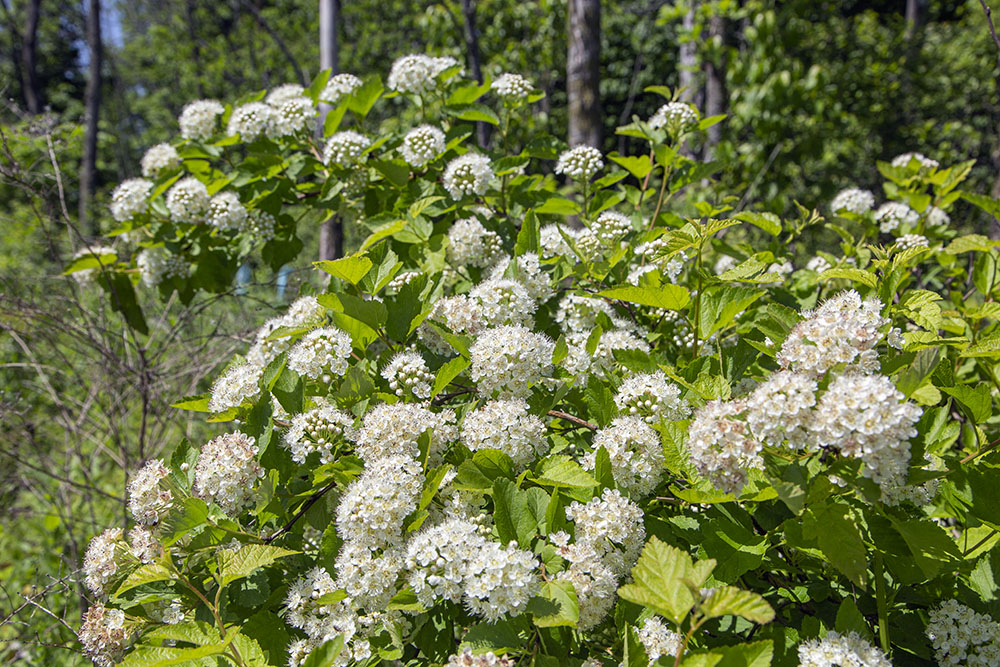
324,350
552,242
499,581
580,162
339,86
130,198
461,314
504,302
143,544
853,200
417,73
225,211
227,472
101,561
819,264
345,149
635,452
578,313
468,174
400,280
369,580
936,217
438,557
610,227
895,338
904,160
471,244
148,495
676,117
251,121
842,331
468,659
101,254
866,417
188,200
724,263
527,270
907,241
511,86
836,650
508,426
198,119
373,507
408,373
103,635
320,429
239,383
658,640
652,397
259,225
721,446
389,429
961,636
159,158
422,144
283,93
606,522
295,115
893,214
780,410
158,264
510,360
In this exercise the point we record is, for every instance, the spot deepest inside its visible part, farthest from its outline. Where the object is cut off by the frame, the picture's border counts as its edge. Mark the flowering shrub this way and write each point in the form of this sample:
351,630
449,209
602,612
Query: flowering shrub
597,421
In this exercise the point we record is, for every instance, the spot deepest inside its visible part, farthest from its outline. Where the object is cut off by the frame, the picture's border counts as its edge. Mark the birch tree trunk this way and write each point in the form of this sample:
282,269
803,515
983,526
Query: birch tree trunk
331,233
583,72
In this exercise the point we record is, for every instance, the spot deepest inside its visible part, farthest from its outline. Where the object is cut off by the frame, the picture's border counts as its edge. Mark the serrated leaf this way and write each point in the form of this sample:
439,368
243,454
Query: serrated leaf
987,346
325,655
659,580
732,601
977,399
768,222
670,297
567,474
720,305
198,403
249,557
835,531
555,606
638,166
969,243
144,574
351,269
852,274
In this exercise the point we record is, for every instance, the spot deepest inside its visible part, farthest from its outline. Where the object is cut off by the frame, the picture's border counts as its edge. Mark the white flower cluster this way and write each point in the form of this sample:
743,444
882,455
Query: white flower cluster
579,362
407,373
130,199
503,302
610,227
227,472
578,313
251,121
188,200
652,397
468,174
658,640
318,430
460,313
635,451
609,537
345,149
936,217
779,411
158,264
511,86
401,279
395,428
904,160
837,650
225,211
158,159
148,496
283,93
100,562
371,511
509,360
198,119
143,544
552,243
294,115
580,162
239,383
819,264
260,225
892,214
421,145
417,73
866,417
471,244
842,331
853,200
907,241
961,636
452,561
339,86
322,622
721,446
103,635
676,117
468,659
528,271
506,425
324,350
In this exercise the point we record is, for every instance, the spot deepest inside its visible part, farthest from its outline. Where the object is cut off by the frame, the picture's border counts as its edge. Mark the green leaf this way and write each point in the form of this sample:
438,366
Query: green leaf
558,206
364,97
636,165
198,633
351,269
198,403
325,655
162,656
769,222
397,171
969,243
731,601
566,473
663,580
508,506
852,274
721,304
527,237
249,557
473,112
555,606
849,619
932,548
91,261
755,654
447,373
121,296
500,637
602,468
670,297
987,346
985,493
145,574
468,94
977,399
833,528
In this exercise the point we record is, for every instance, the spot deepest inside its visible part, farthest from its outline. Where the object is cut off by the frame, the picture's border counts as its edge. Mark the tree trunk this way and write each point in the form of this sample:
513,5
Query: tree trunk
916,11
92,101
583,73
687,59
331,233
29,58
715,85
475,60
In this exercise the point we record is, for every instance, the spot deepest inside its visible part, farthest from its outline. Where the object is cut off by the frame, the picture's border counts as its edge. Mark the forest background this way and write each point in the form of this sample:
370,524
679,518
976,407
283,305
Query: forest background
814,92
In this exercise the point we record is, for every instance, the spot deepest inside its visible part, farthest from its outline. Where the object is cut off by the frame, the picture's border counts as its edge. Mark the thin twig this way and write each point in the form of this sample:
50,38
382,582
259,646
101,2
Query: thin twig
559,414
993,30
302,510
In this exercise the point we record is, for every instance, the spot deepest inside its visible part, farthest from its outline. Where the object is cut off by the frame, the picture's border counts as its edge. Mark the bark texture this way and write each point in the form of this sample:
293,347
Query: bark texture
583,72
92,105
